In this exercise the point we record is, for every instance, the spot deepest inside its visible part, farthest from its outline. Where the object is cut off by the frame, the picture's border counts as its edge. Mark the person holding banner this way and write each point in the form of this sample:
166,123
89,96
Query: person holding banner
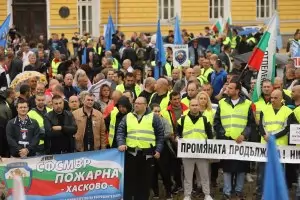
275,119
195,126
233,121
141,135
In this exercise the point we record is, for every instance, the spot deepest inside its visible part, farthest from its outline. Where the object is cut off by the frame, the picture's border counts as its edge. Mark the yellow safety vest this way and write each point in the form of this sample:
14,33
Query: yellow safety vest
251,39
40,119
260,104
206,72
185,101
287,92
210,115
164,102
99,50
193,131
274,123
226,41
233,42
168,68
234,120
140,134
166,114
137,89
54,67
297,113
201,79
115,64
112,125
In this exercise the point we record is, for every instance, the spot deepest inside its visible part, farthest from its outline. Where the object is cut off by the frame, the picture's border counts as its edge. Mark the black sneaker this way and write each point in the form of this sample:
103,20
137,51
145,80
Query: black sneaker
176,190
226,197
169,196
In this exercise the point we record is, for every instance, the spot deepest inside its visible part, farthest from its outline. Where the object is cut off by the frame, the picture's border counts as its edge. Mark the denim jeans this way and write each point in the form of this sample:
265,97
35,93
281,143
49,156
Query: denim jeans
240,179
260,179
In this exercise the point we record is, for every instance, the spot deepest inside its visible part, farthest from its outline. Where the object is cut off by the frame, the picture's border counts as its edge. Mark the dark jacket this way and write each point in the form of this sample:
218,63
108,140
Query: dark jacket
14,137
15,68
225,59
129,53
60,141
158,130
70,91
5,115
233,166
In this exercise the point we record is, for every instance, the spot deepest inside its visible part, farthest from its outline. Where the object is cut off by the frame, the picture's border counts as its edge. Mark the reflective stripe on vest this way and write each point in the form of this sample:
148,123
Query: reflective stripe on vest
234,120
193,131
140,135
274,123
206,72
54,67
112,124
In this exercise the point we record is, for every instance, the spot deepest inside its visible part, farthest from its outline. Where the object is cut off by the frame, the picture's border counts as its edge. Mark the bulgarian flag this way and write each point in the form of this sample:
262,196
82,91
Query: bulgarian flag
217,27
227,28
263,58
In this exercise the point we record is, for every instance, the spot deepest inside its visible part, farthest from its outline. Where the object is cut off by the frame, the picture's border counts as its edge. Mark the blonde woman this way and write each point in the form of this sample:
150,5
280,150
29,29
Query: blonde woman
206,106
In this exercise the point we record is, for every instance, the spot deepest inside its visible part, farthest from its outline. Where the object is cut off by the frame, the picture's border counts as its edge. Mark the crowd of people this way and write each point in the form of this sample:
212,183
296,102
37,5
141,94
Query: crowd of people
142,116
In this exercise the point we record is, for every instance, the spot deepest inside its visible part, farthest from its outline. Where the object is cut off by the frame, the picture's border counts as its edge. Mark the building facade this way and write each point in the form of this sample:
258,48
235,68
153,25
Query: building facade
34,17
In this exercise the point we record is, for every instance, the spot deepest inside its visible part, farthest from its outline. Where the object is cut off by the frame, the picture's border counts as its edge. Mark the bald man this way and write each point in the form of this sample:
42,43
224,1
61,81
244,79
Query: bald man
296,95
275,119
73,103
278,84
181,84
127,65
161,95
149,86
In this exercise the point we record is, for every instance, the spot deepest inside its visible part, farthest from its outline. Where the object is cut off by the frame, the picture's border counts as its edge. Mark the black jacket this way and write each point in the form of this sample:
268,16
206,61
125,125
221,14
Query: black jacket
14,137
60,141
129,53
15,68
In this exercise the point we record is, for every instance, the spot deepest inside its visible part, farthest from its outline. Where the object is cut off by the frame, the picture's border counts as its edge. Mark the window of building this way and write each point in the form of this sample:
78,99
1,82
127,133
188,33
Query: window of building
265,8
85,16
166,9
216,8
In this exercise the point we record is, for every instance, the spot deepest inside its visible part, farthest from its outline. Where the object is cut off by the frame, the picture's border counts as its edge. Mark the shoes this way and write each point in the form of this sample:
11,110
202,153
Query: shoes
169,196
208,197
187,198
176,190
226,197
249,178
155,197
240,196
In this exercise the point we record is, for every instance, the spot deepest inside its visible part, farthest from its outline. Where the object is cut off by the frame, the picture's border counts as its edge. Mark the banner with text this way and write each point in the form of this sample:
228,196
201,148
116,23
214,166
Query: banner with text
86,175
230,150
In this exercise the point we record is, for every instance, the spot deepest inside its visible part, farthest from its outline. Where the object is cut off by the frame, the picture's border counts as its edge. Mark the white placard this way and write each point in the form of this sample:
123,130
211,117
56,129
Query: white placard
180,55
295,134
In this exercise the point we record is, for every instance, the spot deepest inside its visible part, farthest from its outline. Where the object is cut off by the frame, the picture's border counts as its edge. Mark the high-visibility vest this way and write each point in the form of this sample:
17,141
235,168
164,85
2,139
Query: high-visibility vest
287,92
54,67
234,120
137,89
115,64
112,125
226,41
167,115
98,50
185,101
140,134
251,39
260,104
168,68
164,102
210,115
274,123
206,72
297,113
233,42
33,114
193,131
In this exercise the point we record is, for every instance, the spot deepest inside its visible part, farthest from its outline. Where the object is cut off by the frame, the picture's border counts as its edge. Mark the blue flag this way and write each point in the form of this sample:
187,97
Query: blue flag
177,32
83,57
274,179
160,55
4,31
110,30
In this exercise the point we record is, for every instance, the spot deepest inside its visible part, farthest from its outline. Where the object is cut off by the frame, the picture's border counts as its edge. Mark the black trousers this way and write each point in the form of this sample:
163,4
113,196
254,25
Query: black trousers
138,176
162,167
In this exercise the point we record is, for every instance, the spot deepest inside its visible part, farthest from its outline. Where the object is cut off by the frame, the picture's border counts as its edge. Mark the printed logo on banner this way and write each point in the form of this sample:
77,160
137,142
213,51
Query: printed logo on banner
180,56
20,169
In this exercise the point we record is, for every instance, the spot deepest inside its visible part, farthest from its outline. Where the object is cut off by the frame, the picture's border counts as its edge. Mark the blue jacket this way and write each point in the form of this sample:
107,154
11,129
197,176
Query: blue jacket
218,80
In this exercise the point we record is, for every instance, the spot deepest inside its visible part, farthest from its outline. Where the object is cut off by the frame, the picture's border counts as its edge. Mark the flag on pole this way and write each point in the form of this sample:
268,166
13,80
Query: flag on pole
263,58
18,189
227,26
217,27
110,30
279,37
274,178
4,31
83,57
177,32
160,55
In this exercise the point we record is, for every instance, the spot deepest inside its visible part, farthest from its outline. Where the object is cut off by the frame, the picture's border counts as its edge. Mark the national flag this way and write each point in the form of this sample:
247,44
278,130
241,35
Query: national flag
217,27
177,32
4,30
227,26
279,37
160,55
263,58
110,30
18,189
274,178
83,57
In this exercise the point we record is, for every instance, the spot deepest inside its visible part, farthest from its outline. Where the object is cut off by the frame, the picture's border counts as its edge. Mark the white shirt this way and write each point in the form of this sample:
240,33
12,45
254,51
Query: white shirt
234,102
